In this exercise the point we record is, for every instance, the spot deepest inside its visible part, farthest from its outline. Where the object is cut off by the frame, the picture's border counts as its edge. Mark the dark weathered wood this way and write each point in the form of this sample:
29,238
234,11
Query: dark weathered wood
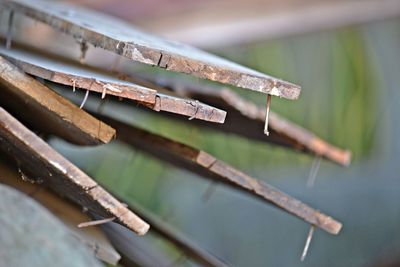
48,111
206,165
67,72
123,39
68,213
247,119
31,236
38,160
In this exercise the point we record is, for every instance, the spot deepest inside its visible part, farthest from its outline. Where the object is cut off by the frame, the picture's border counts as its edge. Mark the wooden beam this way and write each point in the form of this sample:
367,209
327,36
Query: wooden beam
206,165
37,159
44,109
63,71
247,119
123,39
71,215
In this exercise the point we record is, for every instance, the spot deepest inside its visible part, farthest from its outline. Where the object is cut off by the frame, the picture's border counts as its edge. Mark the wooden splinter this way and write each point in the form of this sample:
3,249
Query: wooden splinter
267,115
308,241
96,222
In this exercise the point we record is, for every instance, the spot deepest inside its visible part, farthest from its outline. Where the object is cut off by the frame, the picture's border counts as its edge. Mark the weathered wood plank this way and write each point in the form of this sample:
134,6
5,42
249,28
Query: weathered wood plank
68,213
37,159
123,39
63,71
247,119
206,165
31,236
45,109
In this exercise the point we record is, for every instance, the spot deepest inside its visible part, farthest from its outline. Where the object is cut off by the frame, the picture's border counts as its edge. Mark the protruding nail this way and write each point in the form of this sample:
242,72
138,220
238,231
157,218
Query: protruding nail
308,241
267,115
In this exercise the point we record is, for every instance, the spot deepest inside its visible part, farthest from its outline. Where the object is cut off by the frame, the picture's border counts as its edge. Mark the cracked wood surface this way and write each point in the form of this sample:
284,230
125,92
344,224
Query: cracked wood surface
37,159
62,71
247,119
206,165
67,72
123,39
71,215
44,109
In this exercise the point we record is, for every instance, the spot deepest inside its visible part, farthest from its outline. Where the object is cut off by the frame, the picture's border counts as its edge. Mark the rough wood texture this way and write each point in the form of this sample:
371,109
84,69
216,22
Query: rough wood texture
247,119
69,214
44,109
204,164
36,158
188,107
31,236
123,39
63,71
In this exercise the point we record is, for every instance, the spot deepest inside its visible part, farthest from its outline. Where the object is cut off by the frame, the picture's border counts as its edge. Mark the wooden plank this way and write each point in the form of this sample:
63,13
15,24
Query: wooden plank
31,236
48,111
71,215
247,119
63,71
190,108
60,70
206,165
36,158
121,38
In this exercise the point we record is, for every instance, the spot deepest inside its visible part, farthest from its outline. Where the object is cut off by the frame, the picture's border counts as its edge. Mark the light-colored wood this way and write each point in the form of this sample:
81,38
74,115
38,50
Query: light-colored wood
47,110
37,159
63,71
123,39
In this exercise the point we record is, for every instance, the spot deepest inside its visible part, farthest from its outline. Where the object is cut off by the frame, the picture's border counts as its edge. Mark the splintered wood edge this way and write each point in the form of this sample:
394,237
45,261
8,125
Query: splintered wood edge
188,107
168,150
92,130
286,128
133,92
164,59
16,138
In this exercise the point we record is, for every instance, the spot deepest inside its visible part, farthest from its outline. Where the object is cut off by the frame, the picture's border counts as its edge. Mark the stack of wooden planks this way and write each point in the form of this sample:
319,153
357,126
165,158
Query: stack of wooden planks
31,112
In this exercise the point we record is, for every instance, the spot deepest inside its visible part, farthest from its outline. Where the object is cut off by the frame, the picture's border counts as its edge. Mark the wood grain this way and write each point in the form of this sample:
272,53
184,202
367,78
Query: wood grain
37,159
204,164
46,110
123,39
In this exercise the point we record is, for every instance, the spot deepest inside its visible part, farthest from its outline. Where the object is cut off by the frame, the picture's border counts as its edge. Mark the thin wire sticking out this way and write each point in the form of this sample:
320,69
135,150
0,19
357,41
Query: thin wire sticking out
73,85
84,99
97,222
9,30
308,241
313,171
267,115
